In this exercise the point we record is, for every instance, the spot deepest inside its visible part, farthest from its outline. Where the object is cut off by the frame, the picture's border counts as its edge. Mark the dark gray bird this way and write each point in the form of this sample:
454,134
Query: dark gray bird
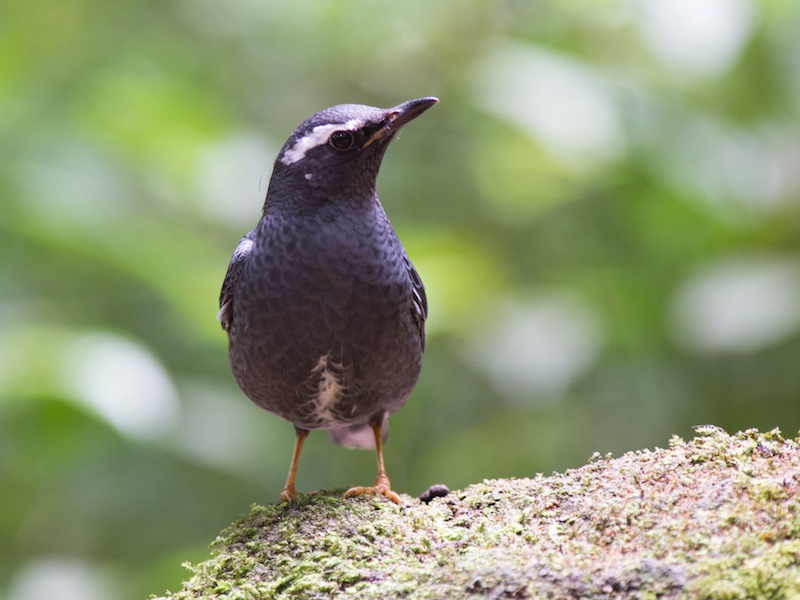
324,311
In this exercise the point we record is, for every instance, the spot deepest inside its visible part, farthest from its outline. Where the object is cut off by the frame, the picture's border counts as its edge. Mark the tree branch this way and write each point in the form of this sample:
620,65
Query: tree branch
716,517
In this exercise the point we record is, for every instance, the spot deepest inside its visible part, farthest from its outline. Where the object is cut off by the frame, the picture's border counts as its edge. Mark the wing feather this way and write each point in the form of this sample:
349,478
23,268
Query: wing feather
419,301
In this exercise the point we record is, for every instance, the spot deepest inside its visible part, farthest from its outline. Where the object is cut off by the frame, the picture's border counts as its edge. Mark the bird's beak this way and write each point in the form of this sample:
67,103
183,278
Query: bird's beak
399,116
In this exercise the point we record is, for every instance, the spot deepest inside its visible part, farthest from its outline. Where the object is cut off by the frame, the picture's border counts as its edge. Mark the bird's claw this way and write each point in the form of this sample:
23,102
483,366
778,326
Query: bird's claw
288,494
382,487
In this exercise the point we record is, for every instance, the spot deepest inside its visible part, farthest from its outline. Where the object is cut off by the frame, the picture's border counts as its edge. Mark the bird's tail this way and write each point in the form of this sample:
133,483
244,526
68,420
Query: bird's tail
357,436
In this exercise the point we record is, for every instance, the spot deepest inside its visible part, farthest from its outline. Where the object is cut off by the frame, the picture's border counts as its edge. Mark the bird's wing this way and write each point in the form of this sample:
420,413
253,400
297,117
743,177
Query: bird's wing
419,301
240,255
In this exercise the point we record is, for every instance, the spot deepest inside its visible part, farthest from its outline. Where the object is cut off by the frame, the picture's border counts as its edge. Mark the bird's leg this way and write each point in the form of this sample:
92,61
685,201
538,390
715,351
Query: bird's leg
381,485
289,492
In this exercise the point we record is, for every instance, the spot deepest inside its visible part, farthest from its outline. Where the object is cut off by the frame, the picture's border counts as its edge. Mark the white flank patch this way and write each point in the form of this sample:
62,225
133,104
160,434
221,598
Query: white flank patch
222,310
329,389
316,137
244,247
242,250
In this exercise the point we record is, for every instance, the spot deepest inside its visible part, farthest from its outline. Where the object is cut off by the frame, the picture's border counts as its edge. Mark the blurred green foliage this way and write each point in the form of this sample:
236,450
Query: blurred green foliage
605,209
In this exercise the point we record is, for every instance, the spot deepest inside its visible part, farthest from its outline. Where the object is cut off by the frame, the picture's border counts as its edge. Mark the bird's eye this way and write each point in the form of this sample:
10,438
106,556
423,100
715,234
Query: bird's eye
341,140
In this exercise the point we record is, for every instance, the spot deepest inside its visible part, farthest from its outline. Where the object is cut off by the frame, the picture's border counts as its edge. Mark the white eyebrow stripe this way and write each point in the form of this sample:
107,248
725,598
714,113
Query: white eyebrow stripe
316,137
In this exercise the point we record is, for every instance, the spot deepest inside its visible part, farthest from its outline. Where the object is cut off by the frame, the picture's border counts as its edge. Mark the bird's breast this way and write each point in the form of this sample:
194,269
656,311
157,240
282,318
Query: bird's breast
320,313
317,280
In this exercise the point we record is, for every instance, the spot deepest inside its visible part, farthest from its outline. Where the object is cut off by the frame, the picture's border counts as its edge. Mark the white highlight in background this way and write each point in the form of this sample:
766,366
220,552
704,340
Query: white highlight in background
562,104
701,38
738,305
61,579
123,383
231,178
536,349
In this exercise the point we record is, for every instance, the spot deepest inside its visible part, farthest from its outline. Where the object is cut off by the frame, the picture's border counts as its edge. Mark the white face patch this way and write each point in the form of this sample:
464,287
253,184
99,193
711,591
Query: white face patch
316,137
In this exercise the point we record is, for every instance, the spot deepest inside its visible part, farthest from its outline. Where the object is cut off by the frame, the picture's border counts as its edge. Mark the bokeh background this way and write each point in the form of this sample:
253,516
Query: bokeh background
605,208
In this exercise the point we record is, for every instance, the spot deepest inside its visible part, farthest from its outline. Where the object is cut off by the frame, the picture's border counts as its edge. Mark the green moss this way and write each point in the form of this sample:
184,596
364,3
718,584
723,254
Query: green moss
715,517
769,571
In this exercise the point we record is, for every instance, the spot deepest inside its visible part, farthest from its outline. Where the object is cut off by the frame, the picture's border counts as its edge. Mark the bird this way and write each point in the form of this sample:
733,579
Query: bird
324,311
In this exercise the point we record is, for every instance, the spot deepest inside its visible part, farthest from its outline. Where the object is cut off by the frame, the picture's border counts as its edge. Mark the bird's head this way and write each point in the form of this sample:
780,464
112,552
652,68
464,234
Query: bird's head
339,150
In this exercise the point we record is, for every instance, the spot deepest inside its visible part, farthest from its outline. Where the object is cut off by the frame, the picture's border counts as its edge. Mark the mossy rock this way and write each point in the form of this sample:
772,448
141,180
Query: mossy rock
717,518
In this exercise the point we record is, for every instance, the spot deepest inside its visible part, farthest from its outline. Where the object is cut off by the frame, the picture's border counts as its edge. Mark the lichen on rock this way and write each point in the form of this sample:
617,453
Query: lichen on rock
717,517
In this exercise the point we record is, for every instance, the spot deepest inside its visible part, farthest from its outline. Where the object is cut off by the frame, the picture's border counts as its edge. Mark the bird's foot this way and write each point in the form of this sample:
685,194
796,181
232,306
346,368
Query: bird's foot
382,487
288,494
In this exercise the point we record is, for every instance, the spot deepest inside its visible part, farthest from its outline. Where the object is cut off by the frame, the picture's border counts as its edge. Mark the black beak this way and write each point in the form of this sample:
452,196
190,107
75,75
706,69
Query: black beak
400,115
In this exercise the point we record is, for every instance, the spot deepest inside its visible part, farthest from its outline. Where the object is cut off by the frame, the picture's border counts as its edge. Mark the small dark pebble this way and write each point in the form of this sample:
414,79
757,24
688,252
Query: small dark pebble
435,491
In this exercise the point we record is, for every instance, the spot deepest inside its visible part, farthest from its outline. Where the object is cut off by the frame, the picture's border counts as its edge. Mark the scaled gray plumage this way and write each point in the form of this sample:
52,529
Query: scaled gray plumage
324,311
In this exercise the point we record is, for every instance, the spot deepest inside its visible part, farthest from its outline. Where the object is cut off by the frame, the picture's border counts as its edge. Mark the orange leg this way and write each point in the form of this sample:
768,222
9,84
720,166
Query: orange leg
381,485
289,491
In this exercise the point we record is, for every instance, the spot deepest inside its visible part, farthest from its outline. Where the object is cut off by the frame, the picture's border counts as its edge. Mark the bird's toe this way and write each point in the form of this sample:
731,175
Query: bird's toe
382,487
288,494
